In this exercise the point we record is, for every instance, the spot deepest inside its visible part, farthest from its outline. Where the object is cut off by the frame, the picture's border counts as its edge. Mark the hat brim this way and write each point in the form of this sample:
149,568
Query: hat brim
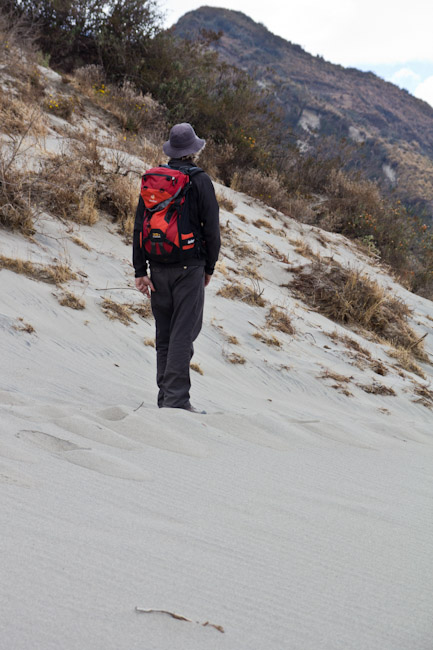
193,148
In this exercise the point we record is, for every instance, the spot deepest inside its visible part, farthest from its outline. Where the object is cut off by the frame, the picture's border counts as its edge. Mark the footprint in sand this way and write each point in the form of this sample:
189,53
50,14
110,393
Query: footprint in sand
10,476
83,456
113,413
83,426
11,399
169,430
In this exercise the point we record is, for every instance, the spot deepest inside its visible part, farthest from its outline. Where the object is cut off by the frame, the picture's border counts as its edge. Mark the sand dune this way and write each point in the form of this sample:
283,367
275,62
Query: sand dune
293,515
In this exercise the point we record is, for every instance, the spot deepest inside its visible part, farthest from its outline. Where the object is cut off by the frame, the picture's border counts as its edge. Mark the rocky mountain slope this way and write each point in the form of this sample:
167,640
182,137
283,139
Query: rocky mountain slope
392,131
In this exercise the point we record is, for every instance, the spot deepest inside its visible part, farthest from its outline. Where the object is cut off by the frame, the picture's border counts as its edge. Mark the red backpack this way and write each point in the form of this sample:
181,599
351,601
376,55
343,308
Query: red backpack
167,235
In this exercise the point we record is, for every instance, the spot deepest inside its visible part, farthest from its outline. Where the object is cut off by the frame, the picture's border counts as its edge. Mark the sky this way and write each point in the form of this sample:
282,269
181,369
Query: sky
390,38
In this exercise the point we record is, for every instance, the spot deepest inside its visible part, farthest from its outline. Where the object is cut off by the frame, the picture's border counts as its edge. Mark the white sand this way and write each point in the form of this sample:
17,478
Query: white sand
292,515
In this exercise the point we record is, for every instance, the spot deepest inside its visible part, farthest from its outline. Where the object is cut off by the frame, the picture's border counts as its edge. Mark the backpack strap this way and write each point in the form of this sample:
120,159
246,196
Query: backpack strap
189,171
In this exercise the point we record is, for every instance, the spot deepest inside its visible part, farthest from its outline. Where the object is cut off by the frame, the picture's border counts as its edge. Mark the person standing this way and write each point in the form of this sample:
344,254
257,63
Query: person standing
176,288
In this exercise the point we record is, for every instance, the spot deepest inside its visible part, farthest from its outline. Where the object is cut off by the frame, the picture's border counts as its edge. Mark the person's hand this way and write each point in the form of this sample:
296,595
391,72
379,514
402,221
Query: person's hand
207,279
144,284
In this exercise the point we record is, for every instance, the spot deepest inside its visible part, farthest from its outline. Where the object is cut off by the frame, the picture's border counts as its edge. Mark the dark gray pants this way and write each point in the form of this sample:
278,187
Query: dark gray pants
177,305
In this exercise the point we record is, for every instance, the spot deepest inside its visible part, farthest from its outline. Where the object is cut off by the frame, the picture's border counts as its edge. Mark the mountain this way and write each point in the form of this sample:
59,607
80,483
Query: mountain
392,131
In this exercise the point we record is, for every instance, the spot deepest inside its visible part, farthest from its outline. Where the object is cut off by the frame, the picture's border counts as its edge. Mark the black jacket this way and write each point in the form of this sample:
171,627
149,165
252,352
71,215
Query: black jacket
204,218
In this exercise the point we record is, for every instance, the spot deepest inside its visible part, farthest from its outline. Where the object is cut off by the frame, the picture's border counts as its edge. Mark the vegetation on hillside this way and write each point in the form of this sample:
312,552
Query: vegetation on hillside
116,54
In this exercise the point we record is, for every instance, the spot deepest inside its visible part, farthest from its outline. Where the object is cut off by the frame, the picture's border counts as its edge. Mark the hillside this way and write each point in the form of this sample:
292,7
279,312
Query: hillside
391,130
293,514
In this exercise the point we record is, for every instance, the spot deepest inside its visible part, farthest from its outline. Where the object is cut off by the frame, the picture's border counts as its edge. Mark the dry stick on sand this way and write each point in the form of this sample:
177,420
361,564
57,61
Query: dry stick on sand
411,347
179,617
118,289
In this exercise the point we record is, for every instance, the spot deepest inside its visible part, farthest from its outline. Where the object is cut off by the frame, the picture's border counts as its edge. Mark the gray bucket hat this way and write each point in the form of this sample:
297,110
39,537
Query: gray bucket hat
183,141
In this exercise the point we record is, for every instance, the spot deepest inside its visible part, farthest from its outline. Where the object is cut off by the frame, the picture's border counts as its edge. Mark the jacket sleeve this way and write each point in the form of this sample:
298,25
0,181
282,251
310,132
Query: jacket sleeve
138,259
209,221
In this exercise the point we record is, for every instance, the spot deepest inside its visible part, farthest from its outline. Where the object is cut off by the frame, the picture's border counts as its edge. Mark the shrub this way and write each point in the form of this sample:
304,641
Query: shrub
15,206
269,188
118,197
68,183
346,296
63,106
135,111
19,116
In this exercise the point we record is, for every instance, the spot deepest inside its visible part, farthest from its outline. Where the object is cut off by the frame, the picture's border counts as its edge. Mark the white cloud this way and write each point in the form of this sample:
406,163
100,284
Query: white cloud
425,90
405,75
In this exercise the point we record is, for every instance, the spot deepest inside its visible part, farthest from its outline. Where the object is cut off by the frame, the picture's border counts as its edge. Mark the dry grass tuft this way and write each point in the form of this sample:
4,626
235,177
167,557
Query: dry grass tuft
81,243
22,326
424,394
272,250
149,342
143,309
377,389
361,355
117,311
262,223
350,343
251,271
335,376
228,337
225,203
302,248
242,217
242,251
346,296
405,360
341,381
279,320
251,295
52,274
195,366
69,299
271,341
235,359
379,368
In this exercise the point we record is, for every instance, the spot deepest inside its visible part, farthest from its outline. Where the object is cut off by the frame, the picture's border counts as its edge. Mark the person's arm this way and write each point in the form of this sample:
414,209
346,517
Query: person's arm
209,220
138,259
